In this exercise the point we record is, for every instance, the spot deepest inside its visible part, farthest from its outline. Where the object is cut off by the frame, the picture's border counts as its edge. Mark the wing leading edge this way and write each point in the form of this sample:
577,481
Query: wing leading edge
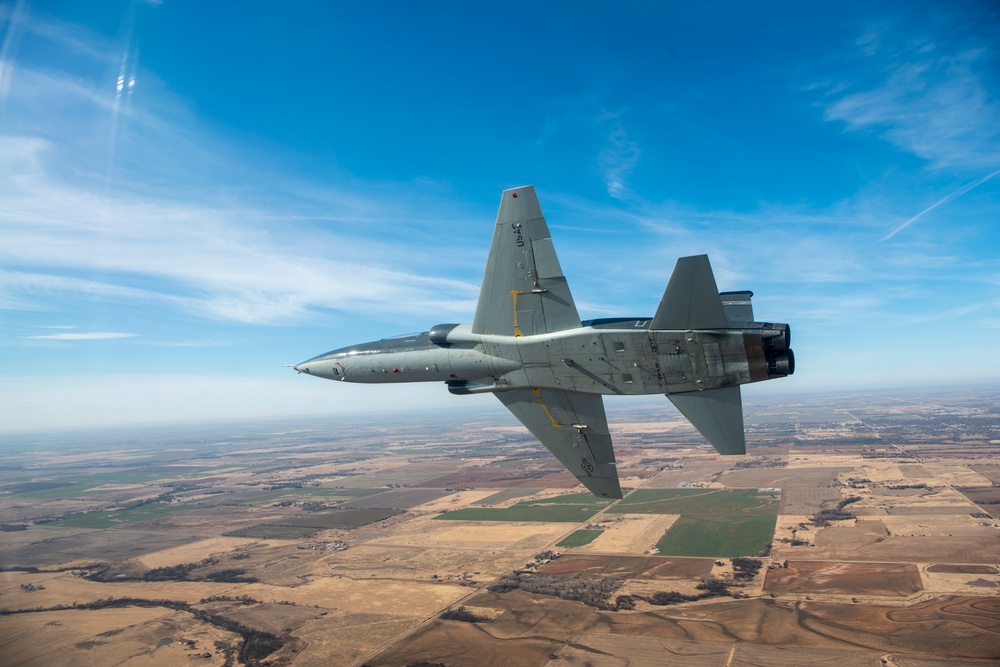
574,428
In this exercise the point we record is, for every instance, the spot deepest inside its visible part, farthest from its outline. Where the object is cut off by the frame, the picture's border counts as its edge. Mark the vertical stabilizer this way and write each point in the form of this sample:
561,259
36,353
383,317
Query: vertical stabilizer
524,290
717,414
691,300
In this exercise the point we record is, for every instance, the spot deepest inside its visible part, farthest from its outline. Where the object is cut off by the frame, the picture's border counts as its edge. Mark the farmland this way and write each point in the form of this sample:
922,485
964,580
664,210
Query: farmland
718,537
347,550
579,538
697,501
111,518
574,507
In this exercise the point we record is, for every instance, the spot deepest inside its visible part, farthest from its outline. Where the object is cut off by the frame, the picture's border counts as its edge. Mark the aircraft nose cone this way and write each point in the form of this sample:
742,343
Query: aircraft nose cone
303,368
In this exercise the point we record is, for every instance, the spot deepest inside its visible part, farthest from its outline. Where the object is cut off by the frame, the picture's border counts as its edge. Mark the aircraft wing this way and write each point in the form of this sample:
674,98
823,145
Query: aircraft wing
574,428
717,414
524,291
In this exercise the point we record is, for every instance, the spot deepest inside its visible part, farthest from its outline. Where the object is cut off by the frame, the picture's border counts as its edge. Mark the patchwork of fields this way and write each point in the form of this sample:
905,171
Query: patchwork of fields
572,507
468,544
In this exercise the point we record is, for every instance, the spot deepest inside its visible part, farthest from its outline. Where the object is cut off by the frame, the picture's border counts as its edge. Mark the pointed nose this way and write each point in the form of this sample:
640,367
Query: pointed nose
303,368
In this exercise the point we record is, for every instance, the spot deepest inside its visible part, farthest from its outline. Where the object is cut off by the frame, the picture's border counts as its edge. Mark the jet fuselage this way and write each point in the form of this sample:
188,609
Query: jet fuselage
619,356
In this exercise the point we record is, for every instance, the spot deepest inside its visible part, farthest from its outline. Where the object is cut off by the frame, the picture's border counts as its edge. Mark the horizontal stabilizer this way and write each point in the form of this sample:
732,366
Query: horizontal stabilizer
691,300
717,414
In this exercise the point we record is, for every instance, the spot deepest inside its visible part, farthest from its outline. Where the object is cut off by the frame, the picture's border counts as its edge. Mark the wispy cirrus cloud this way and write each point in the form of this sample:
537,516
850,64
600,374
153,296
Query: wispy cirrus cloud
617,160
932,101
96,335
76,226
204,258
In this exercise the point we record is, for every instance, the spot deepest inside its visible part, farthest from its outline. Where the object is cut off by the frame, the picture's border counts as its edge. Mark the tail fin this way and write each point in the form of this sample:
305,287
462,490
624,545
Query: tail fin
691,300
717,414
524,290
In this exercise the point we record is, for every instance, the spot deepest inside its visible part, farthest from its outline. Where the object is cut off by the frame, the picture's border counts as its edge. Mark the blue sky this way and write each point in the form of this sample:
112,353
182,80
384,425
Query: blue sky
192,196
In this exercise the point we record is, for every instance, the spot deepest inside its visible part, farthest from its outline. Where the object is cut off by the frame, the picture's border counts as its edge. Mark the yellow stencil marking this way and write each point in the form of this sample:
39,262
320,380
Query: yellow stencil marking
513,295
538,395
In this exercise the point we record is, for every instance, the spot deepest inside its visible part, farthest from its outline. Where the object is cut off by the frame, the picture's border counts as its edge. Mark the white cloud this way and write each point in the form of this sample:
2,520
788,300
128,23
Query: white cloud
223,262
932,103
97,335
84,214
617,160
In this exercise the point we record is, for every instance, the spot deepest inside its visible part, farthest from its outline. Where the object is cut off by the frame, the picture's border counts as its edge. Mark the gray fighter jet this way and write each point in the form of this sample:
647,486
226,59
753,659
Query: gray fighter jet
528,346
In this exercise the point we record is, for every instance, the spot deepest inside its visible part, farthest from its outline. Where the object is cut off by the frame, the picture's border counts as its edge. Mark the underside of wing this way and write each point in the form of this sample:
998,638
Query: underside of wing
524,291
717,414
574,428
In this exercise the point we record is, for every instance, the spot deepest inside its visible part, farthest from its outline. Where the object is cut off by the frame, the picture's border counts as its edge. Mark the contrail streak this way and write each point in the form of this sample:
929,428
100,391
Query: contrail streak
15,25
957,193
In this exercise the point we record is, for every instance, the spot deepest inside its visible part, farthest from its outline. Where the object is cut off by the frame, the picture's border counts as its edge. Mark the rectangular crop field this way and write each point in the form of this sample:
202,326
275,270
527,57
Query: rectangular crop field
573,507
800,577
782,477
718,536
76,485
104,545
505,495
354,493
808,500
409,475
580,538
396,499
301,526
741,502
987,498
109,519
991,472
274,532
348,518
801,416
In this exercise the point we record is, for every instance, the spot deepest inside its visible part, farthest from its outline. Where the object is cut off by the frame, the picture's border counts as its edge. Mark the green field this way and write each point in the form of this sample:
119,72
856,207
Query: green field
714,523
116,518
718,537
579,538
741,502
71,486
308,493
573,507
505,495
